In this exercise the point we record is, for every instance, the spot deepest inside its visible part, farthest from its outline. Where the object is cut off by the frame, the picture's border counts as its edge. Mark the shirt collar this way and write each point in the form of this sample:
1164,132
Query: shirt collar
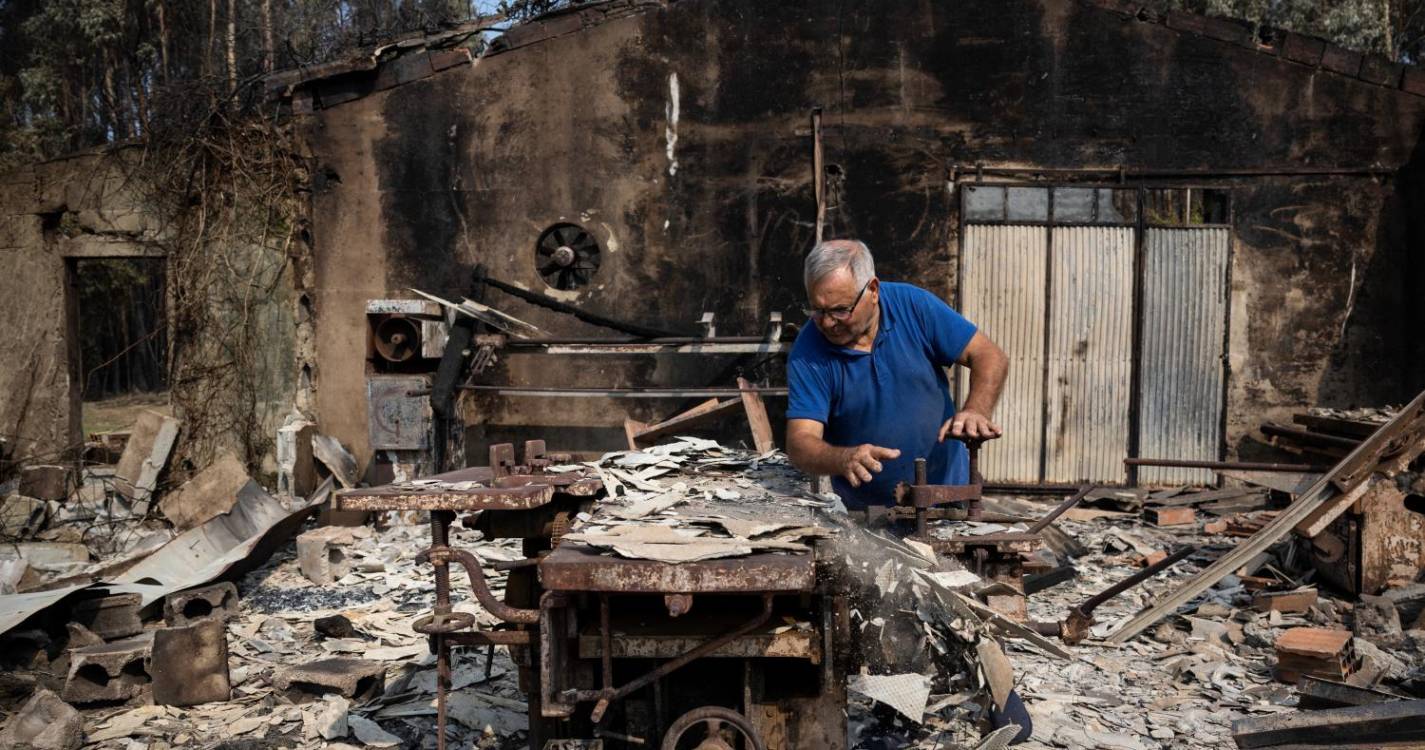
887,323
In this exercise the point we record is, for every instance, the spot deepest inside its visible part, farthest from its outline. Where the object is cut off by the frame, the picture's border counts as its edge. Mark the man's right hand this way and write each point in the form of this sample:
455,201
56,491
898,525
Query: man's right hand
863,461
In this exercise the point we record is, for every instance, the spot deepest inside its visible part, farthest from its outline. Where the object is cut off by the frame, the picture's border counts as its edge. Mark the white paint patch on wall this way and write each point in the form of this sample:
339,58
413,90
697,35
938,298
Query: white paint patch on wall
671,130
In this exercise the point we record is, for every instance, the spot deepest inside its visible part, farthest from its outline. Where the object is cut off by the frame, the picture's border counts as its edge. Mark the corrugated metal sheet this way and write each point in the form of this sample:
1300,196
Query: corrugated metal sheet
1090,354
1184,318
1002,284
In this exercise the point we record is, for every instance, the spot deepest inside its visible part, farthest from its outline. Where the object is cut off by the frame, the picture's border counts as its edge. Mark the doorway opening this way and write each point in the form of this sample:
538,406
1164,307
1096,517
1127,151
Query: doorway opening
122,340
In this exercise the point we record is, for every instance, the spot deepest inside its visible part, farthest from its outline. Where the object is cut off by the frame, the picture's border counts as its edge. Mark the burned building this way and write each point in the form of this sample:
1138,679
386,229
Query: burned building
1177,226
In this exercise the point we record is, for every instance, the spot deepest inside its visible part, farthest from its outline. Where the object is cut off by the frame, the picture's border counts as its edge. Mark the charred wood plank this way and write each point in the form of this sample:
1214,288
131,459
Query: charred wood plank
1380,722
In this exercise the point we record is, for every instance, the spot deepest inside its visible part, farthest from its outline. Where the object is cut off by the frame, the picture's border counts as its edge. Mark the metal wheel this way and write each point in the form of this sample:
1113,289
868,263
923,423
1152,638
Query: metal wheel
712,728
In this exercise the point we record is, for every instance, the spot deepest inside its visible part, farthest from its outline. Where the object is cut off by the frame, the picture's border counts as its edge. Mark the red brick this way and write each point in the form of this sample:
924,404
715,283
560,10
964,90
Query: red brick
1317,643
1170,516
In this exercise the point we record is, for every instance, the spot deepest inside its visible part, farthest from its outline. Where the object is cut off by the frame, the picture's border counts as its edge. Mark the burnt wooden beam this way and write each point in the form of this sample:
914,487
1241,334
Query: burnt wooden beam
1379,722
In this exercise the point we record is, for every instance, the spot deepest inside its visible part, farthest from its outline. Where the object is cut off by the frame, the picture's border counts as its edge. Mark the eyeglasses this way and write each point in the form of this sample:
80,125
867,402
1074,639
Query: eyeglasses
838,313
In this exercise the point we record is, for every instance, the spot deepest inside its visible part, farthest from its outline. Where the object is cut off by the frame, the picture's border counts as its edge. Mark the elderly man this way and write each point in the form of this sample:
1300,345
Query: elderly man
868,387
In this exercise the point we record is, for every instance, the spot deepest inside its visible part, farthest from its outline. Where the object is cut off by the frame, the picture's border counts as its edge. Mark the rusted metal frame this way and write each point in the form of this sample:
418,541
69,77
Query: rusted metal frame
1309,438
606,643
605,697
1406,429
478,498
1060,510
542,392
440,521
922,497
1227,465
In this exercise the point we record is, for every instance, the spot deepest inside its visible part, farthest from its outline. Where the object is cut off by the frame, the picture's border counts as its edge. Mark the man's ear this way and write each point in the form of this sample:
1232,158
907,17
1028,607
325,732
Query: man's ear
875,286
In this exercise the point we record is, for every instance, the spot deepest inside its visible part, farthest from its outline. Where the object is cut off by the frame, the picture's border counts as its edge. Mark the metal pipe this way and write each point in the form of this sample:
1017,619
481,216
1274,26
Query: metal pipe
540,343
441,556
1122,173
541,391
1135,579
1225,465
440,534
1061,509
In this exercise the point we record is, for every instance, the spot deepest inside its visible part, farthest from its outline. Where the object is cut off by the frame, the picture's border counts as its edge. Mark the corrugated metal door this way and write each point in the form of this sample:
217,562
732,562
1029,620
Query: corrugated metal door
1184,319
1003,276
1090,354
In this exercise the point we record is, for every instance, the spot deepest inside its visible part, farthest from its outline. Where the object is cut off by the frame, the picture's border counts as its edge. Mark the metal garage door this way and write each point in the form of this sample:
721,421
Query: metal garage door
1053,276
1003,273
1090,354
1184,317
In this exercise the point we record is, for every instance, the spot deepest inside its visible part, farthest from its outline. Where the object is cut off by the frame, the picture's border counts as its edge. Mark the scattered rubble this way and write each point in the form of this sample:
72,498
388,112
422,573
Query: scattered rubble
231,630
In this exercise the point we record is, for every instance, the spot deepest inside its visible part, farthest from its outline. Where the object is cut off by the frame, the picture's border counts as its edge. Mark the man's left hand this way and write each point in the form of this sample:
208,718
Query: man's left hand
970,424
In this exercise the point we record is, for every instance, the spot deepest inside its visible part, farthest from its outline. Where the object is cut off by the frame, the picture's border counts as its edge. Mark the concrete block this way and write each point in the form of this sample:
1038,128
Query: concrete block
357,679
1300,48
22,516
321,554
46,482
210,493
117,671
110,617
216,602
1341,60
189,664
145,455
1413,81
1223,29
296,467
45,722
1380,70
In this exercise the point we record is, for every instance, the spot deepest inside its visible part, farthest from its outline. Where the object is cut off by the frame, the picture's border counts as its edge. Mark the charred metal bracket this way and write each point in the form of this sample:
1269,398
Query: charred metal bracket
922,496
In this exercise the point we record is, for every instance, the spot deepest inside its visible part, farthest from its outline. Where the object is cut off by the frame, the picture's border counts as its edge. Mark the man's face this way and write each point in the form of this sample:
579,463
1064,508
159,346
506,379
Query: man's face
838,290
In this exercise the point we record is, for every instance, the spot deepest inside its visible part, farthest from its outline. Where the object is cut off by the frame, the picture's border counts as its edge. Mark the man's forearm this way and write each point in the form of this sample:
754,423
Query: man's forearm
986,382
816,456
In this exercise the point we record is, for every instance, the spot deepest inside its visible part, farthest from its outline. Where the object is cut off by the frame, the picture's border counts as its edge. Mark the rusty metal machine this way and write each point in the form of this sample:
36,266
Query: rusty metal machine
622,653
994,557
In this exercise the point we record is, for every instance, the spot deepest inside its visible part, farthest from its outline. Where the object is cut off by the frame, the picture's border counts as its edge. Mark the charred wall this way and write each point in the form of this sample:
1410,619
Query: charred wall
679,135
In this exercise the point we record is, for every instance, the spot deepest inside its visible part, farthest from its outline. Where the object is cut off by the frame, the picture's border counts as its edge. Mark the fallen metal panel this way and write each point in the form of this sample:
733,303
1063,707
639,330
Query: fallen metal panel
1184,320
1002,280
1394,444
1090,354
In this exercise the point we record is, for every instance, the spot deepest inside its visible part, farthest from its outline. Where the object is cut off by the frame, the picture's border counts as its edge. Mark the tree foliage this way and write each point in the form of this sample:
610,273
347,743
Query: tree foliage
1394,28
80,73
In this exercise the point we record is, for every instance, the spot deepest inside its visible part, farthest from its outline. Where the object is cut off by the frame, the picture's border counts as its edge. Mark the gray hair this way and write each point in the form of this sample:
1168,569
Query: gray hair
829,256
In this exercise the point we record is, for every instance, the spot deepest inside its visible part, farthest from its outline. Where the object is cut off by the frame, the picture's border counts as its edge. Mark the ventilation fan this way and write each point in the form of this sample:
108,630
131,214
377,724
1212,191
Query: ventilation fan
567,256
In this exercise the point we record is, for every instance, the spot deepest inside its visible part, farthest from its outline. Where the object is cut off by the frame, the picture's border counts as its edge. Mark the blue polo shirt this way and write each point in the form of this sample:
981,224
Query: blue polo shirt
894,396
